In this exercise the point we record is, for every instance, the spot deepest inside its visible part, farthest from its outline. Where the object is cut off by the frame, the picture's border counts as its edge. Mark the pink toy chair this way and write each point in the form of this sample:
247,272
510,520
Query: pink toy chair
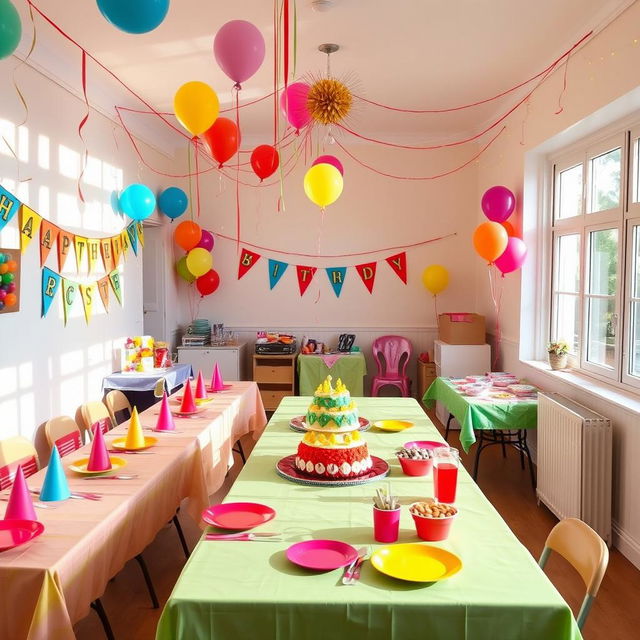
391,354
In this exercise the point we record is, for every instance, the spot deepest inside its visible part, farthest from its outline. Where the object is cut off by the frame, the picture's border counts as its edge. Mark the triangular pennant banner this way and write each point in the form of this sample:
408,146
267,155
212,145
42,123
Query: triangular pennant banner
80,246
107,255
93,251
103,290
140,229
50,284
247,260
87,291
124,243
116,285
276,270
9,204
399,264
116,244
367,272
305,276
336,278
29,226
65,240
48,236
132,232
69,290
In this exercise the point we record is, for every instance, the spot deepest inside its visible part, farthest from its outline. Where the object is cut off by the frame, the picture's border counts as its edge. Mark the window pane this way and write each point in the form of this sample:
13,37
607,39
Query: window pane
569,193
601,331
567,267
634,360
605,181
635,264
635,171
603,262
567,316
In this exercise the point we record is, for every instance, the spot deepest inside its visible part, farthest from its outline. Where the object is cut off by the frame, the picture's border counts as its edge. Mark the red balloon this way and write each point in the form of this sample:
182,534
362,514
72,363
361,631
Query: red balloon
264,161
208,282
223,139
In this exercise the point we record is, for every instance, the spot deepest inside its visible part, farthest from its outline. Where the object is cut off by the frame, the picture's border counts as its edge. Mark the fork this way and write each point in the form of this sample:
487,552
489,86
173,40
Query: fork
130,451
259,536
122,476
348,572
37,504
77,495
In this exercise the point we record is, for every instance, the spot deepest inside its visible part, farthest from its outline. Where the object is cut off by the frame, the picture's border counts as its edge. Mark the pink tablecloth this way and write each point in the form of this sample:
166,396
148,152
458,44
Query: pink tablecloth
47,585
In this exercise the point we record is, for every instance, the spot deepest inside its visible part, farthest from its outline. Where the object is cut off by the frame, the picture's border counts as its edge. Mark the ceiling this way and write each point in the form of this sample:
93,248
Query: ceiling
418,54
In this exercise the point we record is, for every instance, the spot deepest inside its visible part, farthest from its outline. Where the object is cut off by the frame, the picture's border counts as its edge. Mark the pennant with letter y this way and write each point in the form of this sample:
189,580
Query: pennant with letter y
29,226
247,260
50,284
367,272
399,264
276,271
305,276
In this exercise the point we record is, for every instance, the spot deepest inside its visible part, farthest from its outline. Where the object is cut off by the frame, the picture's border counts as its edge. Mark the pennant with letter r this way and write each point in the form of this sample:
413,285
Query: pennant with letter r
336,277
399,265
50,284
29,226
367,272
9,204
305,276
276,271
247,260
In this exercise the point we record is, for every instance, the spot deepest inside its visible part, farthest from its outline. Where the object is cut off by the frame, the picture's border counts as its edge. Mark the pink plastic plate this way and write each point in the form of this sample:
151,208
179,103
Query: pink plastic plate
224,388
238,515
424,444
298,424
13,533
322,555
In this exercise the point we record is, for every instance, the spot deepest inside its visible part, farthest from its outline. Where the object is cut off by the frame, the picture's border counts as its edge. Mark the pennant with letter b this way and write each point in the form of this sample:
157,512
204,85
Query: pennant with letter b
247,260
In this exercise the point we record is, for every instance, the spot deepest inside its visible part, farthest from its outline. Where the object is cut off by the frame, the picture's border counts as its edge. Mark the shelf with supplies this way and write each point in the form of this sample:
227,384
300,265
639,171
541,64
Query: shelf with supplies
276,377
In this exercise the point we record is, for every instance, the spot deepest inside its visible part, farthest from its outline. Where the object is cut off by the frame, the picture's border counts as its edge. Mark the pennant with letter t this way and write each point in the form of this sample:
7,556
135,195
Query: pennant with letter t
305,276
103,290
8,206
336,277
247,260
276,271
367,272
50,284
116,285
399,264
29,226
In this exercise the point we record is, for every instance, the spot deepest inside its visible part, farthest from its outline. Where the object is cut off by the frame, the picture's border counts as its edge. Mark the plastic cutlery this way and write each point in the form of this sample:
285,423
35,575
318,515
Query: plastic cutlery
349,576
259,536
125,451
38,505
122,476
77,495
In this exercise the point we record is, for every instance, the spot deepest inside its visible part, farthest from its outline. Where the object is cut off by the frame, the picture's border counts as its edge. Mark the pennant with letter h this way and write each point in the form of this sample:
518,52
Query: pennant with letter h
336,277
305,276
247,260
276,271
367,272
8,206
399,264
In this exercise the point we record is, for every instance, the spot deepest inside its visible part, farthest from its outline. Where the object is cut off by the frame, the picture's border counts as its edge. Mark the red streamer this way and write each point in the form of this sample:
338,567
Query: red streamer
85,155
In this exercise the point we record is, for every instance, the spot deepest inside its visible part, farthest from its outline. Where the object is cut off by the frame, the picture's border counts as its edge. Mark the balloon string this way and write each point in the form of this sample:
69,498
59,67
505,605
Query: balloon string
237,92
435,307
85,155
564,86
195,150
34,38
190,181
285,43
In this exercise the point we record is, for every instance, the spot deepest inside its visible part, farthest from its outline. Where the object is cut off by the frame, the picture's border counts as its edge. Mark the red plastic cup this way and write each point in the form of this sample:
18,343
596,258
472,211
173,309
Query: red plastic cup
433,529
386,524
412,467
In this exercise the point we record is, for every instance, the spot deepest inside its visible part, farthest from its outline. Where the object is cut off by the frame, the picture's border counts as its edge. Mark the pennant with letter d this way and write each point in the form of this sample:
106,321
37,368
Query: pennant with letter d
399,264
336,277
50,284
276,271
305,276
367,272
247,260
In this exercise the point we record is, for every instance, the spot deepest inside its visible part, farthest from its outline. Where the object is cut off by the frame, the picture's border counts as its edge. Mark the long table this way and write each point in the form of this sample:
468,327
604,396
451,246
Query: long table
48,584
231,590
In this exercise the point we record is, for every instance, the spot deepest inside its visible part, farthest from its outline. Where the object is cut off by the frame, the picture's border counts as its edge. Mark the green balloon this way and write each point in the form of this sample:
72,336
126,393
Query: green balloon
8,278
183,272
10,28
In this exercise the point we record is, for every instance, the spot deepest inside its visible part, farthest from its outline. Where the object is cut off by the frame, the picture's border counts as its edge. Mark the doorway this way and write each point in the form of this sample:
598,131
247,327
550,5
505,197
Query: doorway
153,282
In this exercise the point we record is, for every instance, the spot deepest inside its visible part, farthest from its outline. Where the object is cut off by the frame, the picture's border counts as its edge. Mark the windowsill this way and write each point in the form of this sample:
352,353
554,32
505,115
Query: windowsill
602,390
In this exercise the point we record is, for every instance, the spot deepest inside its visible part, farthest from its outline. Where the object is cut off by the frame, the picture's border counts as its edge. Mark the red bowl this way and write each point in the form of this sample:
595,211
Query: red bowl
416,467
433,529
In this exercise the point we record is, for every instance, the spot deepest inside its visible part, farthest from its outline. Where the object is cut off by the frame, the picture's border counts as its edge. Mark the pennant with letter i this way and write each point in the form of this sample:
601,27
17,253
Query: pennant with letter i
48,236
247,260
69,290
87,291
50,284
8,206
65,240
132,232
399,264
305,276
336,277
107,255
276,271
116,285
103,290
29,226
367,272
116,244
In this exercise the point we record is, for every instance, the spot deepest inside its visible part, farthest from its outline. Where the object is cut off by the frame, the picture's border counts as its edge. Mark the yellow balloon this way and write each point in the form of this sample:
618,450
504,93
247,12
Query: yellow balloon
435,279
199,261
323,184
196,106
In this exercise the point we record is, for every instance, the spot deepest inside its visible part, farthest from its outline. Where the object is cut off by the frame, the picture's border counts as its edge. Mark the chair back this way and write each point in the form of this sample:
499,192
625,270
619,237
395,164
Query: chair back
158,390
583,549
14,452
391,354
118,403
96,414
64,433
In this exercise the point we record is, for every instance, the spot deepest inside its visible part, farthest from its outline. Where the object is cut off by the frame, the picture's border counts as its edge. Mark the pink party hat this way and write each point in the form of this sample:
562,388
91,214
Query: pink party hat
165,419
99,457
20,505
217,384
188,405
201,390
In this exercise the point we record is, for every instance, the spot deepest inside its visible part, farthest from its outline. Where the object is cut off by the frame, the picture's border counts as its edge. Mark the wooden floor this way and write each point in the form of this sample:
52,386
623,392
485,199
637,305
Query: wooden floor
615,614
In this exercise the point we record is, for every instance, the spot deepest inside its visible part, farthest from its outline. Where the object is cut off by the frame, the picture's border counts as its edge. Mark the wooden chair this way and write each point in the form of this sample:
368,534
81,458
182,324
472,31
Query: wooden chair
14,452
116,402
95,413
585,550
158,390
64,433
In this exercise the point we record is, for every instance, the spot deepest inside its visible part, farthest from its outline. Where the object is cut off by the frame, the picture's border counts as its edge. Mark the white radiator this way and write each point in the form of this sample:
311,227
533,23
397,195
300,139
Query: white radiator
574,462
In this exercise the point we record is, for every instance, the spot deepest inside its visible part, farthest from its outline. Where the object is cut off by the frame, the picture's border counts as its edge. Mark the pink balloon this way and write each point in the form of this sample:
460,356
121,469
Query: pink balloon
293,103
512,257
498,203
239,49
332,160
206,240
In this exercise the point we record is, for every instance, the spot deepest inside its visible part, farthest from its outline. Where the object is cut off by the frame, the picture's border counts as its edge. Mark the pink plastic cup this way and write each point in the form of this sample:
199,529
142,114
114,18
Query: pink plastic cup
412,467
386,524
433,529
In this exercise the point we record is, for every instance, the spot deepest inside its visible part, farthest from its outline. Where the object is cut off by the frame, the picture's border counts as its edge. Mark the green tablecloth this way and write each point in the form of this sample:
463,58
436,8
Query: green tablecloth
481,413
351,368
233,590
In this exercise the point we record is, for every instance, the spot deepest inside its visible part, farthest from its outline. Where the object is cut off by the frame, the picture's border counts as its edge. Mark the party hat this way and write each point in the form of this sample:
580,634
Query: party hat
188,405
20,505
201,390
135,437
216,383
98,458
55,486
165,419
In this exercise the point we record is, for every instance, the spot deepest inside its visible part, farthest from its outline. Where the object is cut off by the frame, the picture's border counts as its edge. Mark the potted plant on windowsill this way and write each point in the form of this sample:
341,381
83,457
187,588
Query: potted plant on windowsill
558,355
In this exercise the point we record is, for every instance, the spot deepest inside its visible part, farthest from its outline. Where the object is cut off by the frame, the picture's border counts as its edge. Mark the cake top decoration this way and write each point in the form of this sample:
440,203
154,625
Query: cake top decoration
326,387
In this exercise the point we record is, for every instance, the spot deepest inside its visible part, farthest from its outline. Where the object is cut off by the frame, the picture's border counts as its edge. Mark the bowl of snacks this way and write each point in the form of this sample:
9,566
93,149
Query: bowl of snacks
415,461
522,389
473,389
477,379
433,519
504,382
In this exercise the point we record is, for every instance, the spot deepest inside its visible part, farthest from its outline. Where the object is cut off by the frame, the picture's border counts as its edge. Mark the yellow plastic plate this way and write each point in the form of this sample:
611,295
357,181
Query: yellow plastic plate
80,466
393,425
416,562
120,443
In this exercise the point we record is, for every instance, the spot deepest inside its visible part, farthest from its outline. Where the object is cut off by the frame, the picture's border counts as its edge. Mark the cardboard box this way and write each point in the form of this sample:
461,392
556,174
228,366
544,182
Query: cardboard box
426,375
461,328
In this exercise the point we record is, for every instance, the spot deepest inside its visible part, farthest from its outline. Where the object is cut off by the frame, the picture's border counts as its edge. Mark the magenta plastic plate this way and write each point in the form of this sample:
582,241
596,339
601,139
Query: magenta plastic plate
424,444
322,555
13,533
238,515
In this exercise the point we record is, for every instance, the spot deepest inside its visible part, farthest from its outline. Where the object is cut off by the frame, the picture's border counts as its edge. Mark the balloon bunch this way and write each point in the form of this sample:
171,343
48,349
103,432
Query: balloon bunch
8,267
197,265
323,182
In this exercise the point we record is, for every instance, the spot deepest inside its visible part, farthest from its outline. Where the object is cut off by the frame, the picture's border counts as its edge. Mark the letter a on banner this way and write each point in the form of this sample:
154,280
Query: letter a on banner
336,278
305,276
247,260
48,236
69,290
65,240
276,270
87,291
116,285
50,284
8,206
399,264
367,272
29,226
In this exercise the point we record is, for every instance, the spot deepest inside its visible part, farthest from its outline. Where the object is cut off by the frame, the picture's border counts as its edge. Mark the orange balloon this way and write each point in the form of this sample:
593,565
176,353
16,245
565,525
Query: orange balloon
10,299
187,234
510,229
12,265
490,240
3,268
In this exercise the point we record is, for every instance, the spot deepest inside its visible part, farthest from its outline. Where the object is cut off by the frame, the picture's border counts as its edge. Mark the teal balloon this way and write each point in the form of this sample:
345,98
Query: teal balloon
3,258
138,201
134,16
10,28
173,202
183,271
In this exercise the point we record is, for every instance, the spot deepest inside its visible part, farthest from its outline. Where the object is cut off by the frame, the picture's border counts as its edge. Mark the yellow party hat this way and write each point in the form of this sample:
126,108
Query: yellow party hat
135,437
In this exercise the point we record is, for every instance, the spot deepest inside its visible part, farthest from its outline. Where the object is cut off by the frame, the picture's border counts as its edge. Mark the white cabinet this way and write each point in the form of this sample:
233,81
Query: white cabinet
230,359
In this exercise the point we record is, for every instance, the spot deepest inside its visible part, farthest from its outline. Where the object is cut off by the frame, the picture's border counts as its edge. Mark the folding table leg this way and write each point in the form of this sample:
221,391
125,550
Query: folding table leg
96,605
240,451
478,451
522,435
149,583
183,542
446,431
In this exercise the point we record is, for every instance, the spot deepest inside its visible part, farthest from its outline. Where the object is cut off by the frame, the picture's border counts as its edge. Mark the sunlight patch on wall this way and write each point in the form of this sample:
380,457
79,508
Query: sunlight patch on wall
8,382
68,162
44,152
71,362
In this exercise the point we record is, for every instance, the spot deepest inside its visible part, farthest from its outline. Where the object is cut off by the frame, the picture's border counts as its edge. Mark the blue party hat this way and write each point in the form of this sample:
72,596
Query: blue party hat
55,485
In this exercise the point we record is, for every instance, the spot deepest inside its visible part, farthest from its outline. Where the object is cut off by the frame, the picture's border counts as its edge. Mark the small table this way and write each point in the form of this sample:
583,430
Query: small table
351,368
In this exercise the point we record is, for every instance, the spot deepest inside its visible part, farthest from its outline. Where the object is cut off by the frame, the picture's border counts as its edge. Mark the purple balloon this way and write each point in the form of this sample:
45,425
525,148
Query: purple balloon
239,49
512,257
293,103
498,203
206,240
332,160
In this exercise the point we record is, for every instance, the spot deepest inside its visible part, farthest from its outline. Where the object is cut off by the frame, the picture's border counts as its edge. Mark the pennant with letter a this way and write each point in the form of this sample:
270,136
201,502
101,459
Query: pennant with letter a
247,260
116,285
305,276
69,290
50,284
140,230
48,236
276,271
65,240
336,277
87,291
367,272
103,290
80,246
9,204
107,255
399,264
29,226
132,232
93,251
116,244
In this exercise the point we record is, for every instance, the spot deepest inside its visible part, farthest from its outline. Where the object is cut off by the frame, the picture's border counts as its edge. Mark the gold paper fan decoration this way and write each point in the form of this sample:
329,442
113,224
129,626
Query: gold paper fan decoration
329,101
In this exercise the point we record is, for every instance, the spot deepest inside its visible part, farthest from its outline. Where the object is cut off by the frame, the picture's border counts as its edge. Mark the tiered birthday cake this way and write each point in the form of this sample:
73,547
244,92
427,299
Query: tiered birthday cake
333,447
